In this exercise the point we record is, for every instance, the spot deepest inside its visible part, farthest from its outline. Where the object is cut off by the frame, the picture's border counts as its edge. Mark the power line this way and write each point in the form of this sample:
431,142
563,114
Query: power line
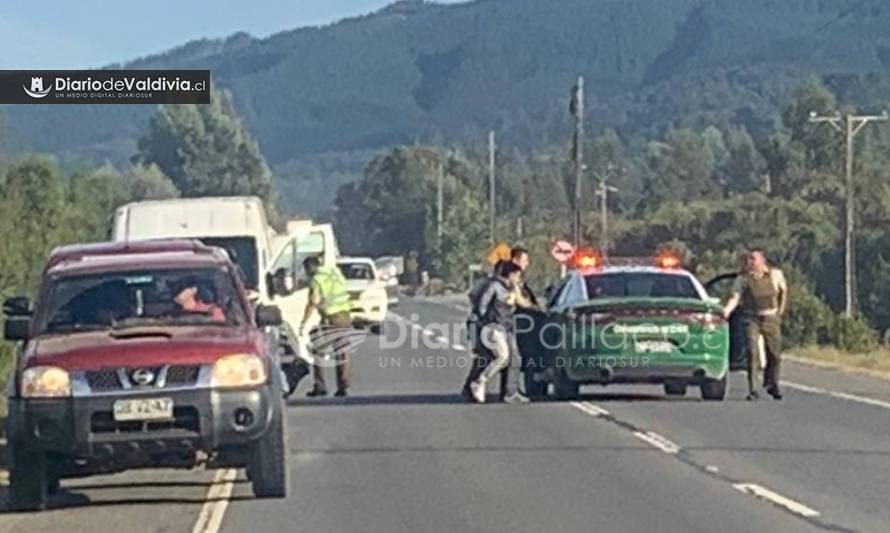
850,125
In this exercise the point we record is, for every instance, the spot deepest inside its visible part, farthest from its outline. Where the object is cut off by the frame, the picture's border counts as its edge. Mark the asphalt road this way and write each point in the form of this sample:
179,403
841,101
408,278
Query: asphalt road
404,454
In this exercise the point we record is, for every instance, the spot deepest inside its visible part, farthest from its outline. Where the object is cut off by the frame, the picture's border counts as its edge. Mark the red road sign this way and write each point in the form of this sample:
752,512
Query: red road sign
562,251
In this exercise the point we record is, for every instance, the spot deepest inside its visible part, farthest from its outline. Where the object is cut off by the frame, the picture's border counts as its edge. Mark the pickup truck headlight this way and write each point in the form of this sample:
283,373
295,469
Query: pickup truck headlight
45,382
238,370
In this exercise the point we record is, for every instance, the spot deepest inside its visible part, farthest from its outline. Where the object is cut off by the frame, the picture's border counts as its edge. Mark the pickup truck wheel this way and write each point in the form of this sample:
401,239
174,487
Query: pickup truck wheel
267,464
714,390
535,390
675,389
28,479
565,388
376,329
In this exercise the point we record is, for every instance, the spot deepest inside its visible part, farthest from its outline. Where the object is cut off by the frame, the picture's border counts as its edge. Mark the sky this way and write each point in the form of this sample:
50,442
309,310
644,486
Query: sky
69,34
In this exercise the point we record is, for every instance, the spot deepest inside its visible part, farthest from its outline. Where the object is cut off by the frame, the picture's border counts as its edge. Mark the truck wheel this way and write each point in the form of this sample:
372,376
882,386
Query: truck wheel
28,479
565,388
675,389
376,329
267,462
535,390
714,389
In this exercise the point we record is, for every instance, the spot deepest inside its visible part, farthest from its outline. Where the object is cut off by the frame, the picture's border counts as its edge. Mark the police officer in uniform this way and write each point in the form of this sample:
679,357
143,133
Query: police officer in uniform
328,295
762,294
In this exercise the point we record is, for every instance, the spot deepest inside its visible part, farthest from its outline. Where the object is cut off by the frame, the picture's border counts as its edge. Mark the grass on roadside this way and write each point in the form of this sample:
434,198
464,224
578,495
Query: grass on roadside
875,360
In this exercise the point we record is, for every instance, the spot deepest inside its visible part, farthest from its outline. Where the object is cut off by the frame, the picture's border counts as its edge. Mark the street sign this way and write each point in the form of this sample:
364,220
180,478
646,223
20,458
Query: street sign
562,251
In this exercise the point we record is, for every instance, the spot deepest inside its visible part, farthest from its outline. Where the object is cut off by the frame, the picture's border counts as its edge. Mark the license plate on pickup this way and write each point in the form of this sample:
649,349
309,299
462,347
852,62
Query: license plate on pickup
654,347
143,409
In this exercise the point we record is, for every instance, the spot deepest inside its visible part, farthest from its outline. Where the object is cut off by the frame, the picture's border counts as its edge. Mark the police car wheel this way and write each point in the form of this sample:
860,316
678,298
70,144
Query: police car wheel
565,388
714,390
675,389
534,389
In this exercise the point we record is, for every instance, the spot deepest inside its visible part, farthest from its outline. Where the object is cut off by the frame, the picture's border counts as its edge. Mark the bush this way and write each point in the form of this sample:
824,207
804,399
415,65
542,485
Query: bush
854,334
808,320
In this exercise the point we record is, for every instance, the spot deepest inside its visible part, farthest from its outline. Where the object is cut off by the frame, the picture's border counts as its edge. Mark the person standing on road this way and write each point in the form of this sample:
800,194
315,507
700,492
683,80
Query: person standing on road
328,295
762,294
496,307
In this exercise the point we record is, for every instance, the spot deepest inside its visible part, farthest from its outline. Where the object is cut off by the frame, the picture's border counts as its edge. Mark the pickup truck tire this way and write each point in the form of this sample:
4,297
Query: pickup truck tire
28,479
714,390
267,462
564,387
376,329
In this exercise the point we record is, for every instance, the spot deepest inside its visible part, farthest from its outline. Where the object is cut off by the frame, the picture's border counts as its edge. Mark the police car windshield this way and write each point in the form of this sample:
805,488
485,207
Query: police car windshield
639,285
145,298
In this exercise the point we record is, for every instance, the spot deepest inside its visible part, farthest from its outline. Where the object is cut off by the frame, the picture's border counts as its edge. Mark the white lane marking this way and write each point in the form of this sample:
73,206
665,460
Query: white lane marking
657,441
460,347
835,394
214,508
590,408
764,493
712,469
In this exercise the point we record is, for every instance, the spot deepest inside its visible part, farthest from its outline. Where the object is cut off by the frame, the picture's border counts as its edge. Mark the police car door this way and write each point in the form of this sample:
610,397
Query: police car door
720,287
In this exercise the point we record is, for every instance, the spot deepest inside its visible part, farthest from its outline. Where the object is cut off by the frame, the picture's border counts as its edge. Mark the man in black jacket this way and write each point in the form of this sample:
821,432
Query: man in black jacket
495,309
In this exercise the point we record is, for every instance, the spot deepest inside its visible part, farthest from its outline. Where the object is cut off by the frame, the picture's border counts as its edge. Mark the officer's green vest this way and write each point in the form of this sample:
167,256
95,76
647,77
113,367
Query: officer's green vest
330,286
760,294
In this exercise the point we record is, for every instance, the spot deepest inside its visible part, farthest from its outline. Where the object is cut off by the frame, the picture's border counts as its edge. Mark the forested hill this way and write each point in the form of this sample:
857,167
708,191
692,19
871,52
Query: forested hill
446,72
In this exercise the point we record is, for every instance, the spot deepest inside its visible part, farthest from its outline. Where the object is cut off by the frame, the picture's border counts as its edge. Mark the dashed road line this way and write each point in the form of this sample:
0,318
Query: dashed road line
673,449
836,394
214,508
656,440
590,408
775,498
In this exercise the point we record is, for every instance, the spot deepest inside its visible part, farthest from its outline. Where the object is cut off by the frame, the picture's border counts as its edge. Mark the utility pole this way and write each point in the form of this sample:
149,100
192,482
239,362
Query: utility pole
492,149
603,191
577,109
849,125
440,204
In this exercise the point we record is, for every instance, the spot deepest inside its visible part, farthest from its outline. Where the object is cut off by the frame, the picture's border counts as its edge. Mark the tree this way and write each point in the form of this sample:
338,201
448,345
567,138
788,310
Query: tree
682,169
206,150
147,182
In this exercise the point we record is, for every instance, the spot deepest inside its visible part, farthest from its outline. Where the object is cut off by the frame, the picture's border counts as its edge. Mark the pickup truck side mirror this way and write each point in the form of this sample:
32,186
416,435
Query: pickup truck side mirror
268,315
17,328
17,306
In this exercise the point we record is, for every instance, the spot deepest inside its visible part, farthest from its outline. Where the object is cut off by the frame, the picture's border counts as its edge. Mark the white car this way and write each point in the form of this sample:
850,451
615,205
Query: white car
367,292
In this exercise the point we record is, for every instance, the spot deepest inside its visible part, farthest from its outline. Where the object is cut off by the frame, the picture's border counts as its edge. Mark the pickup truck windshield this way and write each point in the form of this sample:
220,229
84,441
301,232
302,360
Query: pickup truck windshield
143,298
639,285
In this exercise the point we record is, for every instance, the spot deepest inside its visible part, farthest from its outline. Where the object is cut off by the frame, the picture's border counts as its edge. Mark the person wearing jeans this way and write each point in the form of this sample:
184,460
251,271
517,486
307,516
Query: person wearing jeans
496,306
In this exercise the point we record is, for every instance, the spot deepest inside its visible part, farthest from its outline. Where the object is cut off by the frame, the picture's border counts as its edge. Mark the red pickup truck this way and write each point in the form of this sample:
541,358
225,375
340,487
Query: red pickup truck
142,355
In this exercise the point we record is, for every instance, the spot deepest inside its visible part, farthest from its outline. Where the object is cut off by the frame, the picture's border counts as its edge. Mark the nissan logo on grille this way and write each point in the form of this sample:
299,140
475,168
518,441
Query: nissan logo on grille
142,377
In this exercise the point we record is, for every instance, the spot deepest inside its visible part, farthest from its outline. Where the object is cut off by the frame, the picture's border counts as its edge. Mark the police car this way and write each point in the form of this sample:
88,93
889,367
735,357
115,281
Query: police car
611,323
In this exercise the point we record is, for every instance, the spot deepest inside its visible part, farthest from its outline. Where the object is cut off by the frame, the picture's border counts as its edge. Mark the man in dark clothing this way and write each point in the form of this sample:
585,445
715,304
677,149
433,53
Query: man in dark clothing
495,308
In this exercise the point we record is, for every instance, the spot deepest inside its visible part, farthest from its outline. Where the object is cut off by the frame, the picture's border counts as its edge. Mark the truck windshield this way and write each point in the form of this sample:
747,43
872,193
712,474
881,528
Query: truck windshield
639,285
243,252
141,298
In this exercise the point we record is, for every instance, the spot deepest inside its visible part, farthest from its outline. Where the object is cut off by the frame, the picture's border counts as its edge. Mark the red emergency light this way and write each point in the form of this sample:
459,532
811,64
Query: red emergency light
586,258
668,260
